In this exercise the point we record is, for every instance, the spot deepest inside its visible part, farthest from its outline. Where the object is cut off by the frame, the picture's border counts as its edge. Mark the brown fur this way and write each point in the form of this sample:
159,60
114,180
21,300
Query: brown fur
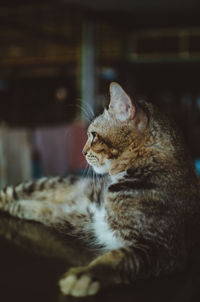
150,199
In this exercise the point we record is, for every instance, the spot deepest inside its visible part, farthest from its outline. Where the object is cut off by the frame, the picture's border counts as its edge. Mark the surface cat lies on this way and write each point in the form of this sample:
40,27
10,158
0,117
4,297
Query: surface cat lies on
142,215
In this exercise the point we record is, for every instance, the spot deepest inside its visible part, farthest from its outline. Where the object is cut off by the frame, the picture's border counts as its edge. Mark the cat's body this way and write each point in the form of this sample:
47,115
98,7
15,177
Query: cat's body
143,217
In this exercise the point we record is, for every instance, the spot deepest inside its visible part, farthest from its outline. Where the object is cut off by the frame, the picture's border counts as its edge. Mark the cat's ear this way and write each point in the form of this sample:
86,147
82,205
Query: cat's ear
124,109
120,103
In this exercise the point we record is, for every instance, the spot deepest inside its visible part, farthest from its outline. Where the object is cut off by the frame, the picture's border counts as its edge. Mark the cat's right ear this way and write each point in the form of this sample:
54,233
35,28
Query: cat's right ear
124,109
120,103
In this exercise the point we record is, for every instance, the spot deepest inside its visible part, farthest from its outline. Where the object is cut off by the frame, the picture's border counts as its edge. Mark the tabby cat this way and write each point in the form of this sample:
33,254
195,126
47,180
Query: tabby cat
142,215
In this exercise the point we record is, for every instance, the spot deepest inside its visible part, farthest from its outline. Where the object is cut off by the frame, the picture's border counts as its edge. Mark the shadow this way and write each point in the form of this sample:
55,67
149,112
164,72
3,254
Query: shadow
39,240
33,257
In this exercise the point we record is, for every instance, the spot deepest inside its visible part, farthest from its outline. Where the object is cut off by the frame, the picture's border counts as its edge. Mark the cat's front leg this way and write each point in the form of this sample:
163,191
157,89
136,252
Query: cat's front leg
123,265
79,282
51,201
108,269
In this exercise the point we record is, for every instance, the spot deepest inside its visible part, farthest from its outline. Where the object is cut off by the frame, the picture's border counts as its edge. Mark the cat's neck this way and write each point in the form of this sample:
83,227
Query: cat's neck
117,177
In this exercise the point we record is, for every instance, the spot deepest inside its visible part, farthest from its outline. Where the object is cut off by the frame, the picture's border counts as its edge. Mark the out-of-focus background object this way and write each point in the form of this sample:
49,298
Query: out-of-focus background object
57,59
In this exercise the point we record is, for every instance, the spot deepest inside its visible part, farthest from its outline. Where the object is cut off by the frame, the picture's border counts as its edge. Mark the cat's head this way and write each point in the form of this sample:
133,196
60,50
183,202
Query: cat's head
114,135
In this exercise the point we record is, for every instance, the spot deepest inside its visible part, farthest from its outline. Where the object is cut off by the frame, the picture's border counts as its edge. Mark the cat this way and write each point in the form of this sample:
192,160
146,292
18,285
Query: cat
142,215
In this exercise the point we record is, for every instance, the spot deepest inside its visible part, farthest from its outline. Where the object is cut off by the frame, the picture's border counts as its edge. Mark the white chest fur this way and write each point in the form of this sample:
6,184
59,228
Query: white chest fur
104,234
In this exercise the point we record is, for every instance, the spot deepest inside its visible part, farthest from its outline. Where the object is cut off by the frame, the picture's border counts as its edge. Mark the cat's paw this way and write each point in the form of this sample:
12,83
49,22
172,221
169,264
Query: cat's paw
79,282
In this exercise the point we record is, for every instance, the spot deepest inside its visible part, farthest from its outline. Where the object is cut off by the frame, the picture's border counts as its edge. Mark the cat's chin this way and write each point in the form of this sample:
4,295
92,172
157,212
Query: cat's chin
103,169
100,170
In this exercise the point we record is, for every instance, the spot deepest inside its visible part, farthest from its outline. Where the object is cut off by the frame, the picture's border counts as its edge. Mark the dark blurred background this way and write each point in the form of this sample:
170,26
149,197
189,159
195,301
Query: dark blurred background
57,59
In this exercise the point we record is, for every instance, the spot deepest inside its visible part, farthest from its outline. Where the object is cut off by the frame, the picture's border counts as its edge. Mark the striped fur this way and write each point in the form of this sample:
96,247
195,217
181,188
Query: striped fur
143,216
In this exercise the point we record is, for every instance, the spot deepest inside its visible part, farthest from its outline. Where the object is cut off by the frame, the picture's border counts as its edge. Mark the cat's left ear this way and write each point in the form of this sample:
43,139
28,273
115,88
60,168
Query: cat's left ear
120,103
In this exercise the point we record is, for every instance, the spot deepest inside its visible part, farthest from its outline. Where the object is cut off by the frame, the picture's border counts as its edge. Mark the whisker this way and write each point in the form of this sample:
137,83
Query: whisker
85,171
91,111
87,111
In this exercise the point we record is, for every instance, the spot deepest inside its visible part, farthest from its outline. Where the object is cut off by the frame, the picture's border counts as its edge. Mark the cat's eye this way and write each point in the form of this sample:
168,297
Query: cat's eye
94,134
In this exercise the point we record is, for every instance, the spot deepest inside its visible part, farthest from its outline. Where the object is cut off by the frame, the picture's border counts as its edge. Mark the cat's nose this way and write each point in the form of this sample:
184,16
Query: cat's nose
84,152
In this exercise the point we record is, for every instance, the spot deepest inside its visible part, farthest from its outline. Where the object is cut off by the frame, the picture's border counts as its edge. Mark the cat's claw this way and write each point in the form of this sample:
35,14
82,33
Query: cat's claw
78,285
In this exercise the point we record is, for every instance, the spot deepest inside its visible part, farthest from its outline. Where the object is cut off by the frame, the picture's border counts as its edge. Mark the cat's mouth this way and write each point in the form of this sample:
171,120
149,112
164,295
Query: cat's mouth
100,168
92,160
